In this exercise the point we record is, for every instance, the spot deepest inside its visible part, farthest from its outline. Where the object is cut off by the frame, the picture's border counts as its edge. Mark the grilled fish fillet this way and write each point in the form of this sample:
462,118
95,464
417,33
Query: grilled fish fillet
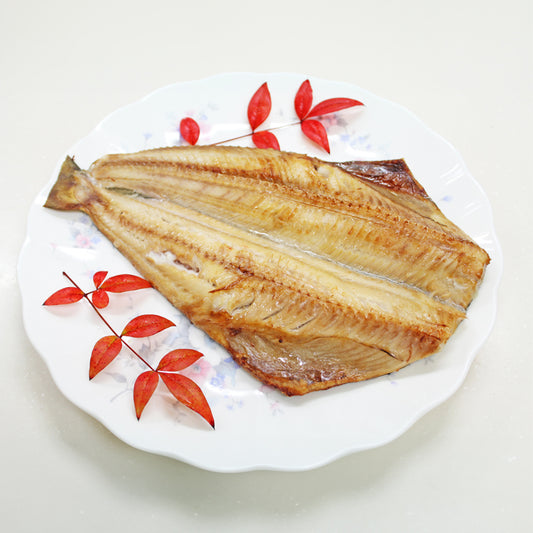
311,274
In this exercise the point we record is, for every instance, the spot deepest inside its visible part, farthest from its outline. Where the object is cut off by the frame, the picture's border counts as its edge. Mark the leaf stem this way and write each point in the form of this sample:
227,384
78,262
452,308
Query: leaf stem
255,131
85,295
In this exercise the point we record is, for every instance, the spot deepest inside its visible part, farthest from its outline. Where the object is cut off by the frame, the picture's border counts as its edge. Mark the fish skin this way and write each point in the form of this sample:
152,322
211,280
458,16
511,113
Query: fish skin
255,247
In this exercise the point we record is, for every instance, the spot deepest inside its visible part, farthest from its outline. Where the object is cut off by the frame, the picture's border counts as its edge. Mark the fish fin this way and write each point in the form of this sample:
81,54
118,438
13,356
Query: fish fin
296,365
70,190
393,175
394,179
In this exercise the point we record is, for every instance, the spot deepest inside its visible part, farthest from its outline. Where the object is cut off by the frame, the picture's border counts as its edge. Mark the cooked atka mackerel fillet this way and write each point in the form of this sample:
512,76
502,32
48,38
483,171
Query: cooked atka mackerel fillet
311,274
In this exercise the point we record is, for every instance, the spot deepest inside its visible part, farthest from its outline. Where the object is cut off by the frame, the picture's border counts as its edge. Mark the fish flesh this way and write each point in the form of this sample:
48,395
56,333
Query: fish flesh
311,274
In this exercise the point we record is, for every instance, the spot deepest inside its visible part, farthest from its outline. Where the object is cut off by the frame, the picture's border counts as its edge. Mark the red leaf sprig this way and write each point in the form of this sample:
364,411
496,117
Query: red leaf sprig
259,108
190,130
107,348
313,129
182,388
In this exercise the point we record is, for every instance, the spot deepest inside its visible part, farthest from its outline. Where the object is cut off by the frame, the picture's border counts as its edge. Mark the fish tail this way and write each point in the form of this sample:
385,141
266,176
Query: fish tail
71,190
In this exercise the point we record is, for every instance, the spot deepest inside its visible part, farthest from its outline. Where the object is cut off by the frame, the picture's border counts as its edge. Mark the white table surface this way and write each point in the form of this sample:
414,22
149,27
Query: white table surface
465,68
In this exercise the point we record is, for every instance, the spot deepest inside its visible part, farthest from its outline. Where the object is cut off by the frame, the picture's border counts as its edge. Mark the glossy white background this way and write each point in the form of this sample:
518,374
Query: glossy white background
464,69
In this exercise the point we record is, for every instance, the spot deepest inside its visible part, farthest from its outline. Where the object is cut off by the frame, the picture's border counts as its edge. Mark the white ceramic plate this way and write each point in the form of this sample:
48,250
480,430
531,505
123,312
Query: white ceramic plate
256,427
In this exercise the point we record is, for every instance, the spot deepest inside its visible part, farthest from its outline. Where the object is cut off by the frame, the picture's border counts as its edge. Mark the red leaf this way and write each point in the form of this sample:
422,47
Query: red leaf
68,295
178,360
124,283
190,130
189,394
104,351
303,99
315,131
100,298
98,278
331,105
146,325
265,139
143,390
259,106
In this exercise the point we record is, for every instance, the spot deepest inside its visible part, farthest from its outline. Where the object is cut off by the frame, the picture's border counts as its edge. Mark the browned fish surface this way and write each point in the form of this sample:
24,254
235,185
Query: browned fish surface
310,274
